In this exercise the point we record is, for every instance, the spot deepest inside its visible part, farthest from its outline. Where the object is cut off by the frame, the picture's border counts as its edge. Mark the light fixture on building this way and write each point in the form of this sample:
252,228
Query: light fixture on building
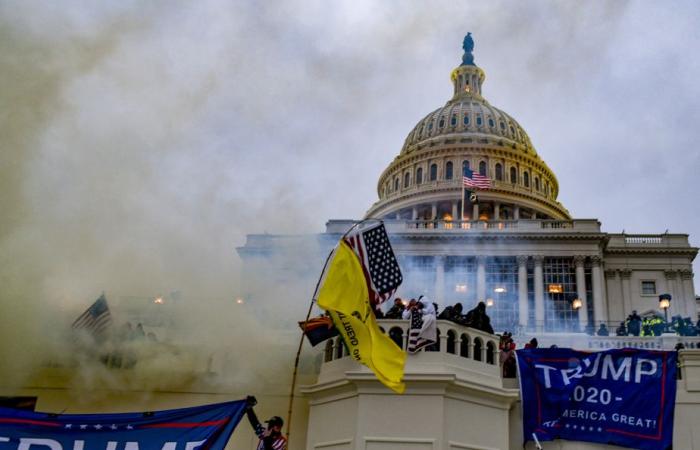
555,288
158,301
576,304
665,303
461,288
499,290
489,302
239,301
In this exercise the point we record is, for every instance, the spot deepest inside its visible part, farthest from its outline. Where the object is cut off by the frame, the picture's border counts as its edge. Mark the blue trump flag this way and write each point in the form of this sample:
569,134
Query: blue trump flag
205,427
622,397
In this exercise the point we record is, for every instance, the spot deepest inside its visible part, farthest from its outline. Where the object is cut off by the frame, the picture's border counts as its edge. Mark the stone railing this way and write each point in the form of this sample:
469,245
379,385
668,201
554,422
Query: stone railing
452,338
654,240
477,226
582,341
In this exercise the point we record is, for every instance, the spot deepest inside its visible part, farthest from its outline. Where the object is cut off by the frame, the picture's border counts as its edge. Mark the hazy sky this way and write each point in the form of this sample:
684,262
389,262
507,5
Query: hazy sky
140,142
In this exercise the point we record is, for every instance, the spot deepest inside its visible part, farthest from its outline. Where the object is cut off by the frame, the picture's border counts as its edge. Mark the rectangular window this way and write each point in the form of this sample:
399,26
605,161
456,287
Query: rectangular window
648,287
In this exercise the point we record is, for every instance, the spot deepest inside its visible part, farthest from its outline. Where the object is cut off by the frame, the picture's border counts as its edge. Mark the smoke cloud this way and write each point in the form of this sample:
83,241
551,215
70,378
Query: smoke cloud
140,143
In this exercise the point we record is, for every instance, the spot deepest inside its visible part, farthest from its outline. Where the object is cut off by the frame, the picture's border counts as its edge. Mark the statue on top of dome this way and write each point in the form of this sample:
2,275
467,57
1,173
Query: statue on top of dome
468,46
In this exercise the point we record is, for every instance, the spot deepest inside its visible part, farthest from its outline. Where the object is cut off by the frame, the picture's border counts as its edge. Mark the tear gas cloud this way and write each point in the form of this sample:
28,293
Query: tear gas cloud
141,142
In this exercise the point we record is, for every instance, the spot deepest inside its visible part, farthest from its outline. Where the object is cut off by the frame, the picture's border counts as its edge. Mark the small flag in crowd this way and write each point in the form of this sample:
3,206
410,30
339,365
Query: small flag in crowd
367,270
318,329
96,319
475,180
379,264
423,331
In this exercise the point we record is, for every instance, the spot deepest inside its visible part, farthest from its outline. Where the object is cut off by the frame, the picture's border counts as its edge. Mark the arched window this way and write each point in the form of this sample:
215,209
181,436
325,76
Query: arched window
499,172
448,170
513,175
433,172
546,189
478,120
482,168
396,184
537,183
503,126
491,123
406,180
465,167
453,120
526,179
465,120
419,175
442,122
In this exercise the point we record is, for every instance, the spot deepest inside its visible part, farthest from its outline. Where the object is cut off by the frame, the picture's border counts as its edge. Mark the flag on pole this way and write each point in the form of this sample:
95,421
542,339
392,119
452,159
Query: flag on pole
318,329
345,294
379,265
96,319
475,180
423,331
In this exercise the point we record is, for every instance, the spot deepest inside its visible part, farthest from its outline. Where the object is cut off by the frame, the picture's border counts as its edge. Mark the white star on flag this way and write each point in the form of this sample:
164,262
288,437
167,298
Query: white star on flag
82,427
98,427
129,427
114,427
68,425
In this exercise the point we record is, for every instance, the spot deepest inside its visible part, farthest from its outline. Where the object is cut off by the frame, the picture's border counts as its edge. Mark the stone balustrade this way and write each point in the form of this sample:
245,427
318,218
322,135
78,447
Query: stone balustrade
453,339
477,226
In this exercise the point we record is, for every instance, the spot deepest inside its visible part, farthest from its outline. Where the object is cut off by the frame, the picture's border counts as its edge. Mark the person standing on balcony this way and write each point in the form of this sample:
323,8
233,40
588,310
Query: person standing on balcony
396,310
603,330
634,323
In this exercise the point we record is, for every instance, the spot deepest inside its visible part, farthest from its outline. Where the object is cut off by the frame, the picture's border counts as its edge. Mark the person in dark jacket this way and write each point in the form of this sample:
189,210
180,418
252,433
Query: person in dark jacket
396,310
634,324
477,318
452,313
621,330
603,330
270,439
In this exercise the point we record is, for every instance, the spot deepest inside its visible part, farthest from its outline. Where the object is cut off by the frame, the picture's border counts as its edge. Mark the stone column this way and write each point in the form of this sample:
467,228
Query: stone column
522,291
475,211
481,278
455,211
579,261
433,214
670,288
679,290
414,214
600,314
689,291
539,293
496,211
516,212
625,276
440,280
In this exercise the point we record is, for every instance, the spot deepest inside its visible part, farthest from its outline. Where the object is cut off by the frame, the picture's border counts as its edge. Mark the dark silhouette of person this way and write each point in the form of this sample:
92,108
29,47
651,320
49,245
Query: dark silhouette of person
478,319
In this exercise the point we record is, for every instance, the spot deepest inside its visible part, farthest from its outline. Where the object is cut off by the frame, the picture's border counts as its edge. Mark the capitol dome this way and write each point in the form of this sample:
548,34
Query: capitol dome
424,181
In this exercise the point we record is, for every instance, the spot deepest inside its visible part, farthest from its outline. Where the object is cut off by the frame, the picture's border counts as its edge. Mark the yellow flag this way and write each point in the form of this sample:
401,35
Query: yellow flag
344,295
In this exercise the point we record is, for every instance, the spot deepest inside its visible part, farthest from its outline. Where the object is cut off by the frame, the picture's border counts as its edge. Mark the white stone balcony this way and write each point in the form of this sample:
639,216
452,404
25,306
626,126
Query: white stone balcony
477,226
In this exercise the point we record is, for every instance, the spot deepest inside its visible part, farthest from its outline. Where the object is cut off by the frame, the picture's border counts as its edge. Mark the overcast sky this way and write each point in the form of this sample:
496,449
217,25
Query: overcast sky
142,141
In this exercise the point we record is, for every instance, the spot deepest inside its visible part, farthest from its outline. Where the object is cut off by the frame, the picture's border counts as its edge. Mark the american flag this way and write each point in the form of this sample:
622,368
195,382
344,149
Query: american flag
381,269
416,338
96,319
475,180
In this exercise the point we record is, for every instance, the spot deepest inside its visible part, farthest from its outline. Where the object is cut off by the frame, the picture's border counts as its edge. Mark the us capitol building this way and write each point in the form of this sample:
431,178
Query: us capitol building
541,272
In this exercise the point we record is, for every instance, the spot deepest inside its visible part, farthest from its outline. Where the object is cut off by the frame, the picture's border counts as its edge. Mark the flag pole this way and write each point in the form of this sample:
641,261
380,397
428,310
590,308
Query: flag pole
303,332
463,190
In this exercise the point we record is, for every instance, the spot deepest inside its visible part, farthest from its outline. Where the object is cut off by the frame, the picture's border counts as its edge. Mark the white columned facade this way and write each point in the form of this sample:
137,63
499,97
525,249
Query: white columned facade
480,278
516,212
625,277
579,261
414,213
455,210
671,289
600,313
433,214
522,291
496,211
689,291
539,293
440,280
475,211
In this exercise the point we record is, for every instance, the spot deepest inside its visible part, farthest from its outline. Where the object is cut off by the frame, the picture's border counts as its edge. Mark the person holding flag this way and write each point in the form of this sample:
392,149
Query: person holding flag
270,439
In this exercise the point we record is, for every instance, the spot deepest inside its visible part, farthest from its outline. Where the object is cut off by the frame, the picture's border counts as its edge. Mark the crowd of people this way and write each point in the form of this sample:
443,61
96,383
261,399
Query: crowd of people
652,325
474,318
